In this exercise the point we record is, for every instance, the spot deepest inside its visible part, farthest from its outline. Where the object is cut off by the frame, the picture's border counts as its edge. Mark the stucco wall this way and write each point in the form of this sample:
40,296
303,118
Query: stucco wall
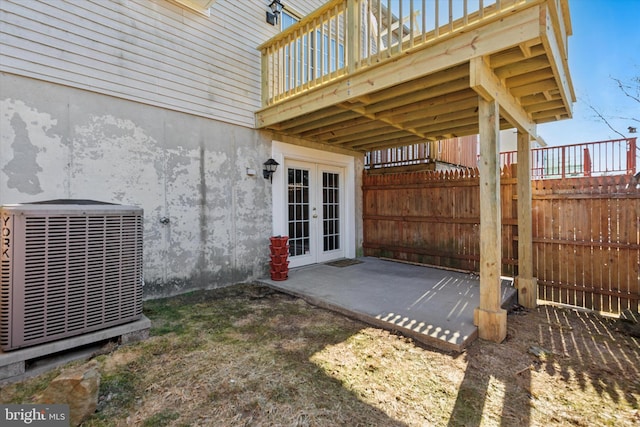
61,142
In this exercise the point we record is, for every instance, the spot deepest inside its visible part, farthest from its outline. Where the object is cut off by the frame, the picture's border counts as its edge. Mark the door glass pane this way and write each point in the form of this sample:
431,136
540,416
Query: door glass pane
330,218
298,221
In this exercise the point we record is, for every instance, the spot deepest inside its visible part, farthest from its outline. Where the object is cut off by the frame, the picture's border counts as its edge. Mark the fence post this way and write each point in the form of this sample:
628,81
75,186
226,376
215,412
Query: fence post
631,156
586,162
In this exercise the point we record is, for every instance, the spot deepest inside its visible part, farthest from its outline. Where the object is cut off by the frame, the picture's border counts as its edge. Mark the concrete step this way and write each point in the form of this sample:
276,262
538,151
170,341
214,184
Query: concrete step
509,293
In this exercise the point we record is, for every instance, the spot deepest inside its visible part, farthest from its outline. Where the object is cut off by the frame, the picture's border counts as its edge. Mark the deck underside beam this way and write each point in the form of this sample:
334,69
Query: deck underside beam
489,87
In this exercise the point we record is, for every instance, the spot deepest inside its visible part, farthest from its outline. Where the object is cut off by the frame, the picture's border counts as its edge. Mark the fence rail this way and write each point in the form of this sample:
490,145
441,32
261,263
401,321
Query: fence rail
586,231
344,36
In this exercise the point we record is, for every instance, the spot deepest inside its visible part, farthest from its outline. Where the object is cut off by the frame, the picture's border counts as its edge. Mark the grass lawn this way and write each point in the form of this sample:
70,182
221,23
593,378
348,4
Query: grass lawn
248,356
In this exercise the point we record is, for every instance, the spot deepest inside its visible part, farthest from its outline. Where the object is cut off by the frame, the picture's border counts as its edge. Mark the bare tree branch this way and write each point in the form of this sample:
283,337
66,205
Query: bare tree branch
632,91
605,120
626,118
625,89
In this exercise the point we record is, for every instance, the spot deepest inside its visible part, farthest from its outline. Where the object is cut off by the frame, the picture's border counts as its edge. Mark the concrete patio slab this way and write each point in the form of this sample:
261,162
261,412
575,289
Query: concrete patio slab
433,306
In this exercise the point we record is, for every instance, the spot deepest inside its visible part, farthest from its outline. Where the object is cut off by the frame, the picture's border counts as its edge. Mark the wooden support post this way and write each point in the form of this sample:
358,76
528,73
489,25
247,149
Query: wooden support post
525,282
490,318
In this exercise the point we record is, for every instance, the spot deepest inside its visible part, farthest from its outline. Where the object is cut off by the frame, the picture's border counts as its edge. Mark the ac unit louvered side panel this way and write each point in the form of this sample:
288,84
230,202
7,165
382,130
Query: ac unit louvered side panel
81,273
6,227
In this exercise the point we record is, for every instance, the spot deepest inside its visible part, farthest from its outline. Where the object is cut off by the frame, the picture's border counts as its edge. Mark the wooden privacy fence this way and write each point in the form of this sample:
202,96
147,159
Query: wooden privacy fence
586,231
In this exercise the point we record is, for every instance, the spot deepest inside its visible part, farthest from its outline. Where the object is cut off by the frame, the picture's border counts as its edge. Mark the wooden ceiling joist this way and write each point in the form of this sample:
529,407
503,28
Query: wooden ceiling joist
529,79
363,125
464,95
556,112
526,66
329,116
363,140
526,48
388,143
446,119
514,55
442,126
530,101
540,86
335,126
423,84
413,118
546,106
419,96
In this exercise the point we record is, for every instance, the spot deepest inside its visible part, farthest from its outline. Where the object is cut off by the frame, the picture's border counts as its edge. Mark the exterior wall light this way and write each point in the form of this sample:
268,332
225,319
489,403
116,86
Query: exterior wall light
276,8
270,167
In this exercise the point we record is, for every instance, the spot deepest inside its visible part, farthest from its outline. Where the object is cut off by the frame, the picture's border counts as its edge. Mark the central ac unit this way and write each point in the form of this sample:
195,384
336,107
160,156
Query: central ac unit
68,267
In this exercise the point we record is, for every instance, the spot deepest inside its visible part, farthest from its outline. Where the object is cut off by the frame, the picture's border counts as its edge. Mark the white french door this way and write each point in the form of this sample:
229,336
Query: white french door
314,212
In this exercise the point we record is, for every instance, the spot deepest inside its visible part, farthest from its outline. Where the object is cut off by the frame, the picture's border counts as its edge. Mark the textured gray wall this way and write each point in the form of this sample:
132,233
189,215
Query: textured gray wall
60,142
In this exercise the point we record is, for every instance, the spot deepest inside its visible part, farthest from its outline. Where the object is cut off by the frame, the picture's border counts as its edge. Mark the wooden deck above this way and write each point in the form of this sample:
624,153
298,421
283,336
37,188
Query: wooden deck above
354,75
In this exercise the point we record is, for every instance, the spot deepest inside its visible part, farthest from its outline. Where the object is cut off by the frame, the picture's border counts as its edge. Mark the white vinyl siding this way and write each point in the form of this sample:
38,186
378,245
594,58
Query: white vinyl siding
152,51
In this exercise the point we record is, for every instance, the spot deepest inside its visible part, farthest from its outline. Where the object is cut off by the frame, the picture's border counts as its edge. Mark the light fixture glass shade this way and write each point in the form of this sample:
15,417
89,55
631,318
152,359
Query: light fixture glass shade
275,6
271,165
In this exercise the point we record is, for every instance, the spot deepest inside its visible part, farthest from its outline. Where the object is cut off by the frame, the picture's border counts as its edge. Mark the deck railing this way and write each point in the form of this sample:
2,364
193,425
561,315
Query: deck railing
600,158
612,157
460,152
345,36
408,155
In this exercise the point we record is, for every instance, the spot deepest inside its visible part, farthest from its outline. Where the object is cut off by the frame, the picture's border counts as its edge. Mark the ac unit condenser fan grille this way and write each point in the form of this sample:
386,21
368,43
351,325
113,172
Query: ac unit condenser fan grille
80,273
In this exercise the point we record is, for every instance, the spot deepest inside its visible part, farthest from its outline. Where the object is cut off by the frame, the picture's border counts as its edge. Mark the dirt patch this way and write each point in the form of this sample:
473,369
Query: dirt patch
247,355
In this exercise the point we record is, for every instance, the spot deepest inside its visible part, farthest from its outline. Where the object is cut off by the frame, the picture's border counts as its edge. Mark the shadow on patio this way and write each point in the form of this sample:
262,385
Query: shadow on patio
432,306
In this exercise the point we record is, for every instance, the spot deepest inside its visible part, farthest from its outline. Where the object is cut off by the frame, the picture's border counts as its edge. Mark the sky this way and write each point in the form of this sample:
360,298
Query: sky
605,45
